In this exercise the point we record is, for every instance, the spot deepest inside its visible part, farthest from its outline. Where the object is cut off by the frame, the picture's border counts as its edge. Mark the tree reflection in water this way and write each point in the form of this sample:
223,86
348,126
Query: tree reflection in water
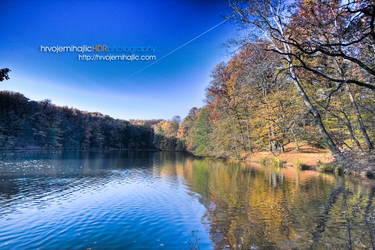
252,207
245,207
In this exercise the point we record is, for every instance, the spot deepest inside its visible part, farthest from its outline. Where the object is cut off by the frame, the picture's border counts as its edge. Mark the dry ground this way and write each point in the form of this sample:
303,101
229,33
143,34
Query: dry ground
308,155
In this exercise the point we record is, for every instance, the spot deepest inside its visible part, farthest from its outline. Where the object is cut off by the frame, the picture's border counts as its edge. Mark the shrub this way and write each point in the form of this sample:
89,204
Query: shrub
263,161
276,162
339,170
301,166
326,167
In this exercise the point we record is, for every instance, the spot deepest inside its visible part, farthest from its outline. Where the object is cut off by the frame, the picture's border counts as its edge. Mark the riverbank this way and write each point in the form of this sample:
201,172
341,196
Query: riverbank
310,157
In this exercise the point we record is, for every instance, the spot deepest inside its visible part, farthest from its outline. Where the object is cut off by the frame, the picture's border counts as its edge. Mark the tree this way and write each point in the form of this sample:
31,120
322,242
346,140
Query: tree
342,30
4,74
201,133
270,20
30,124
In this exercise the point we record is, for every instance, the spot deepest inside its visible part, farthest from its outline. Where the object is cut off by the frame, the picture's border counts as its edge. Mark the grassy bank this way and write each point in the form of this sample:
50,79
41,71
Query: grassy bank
312,158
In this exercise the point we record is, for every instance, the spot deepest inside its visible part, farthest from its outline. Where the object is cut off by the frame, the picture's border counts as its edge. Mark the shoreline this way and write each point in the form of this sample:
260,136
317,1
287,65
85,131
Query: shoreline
308,158
358,165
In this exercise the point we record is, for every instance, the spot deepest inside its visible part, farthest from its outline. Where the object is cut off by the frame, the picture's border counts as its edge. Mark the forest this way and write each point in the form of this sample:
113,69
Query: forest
26,124
304,71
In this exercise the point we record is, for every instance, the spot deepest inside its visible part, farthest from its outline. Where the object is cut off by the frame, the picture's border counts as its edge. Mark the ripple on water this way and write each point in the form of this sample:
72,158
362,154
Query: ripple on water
113,200
123,208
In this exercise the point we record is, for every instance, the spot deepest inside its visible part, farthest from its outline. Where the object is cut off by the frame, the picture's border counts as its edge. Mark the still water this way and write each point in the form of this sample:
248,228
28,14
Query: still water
123,200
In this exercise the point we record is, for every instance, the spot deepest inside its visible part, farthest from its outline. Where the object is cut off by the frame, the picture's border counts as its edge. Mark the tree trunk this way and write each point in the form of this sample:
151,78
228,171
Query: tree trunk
318,120
332,146
350,128
359,119
295,139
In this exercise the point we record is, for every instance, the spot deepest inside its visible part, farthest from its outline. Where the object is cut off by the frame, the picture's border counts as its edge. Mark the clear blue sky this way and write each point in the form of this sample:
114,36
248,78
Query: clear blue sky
169,87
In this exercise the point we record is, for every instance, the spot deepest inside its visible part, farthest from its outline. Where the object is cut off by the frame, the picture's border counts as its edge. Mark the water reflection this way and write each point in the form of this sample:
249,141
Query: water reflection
169,201
253,206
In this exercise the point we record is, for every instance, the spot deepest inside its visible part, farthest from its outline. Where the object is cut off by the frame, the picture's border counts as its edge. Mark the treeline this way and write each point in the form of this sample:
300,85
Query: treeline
305,72
26,124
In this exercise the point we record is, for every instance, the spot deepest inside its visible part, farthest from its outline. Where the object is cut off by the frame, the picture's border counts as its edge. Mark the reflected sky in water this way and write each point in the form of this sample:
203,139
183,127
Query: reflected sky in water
153,200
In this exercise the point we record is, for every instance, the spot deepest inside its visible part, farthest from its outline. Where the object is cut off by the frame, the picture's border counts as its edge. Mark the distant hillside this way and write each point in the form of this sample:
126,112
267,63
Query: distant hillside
26,124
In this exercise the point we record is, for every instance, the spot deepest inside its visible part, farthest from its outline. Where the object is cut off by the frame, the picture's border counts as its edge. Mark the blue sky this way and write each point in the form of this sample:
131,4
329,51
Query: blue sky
170,87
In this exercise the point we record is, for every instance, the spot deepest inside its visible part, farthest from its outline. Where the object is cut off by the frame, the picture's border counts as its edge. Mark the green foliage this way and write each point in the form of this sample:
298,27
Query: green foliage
276,162
271,162
339,170
263,161
326,167
201,133
330,168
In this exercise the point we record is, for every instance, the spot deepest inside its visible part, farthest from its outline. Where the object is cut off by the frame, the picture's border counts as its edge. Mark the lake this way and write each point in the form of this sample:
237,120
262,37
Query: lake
155,200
